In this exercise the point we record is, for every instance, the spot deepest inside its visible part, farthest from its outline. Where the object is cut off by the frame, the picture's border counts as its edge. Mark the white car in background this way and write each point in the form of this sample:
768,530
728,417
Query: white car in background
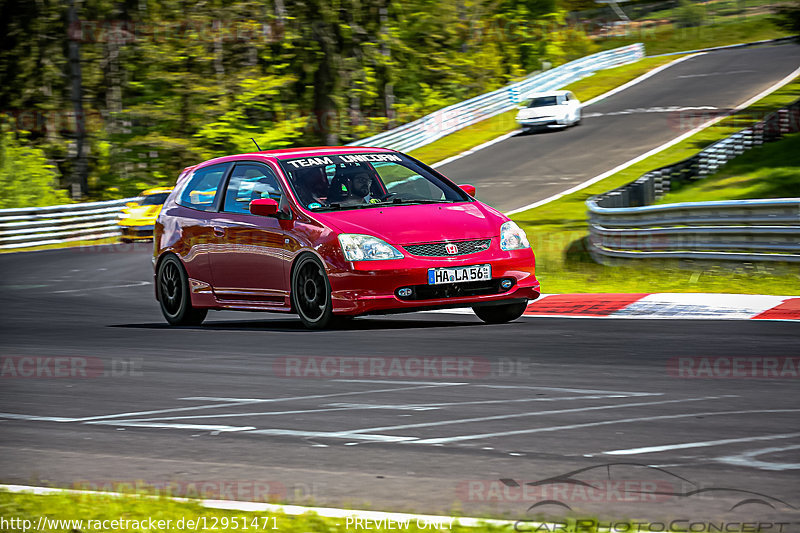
554,109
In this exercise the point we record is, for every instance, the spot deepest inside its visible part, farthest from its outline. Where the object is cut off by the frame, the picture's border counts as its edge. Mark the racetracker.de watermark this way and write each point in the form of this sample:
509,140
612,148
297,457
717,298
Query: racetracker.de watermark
248,490
588,491
73,367
737,367
399,367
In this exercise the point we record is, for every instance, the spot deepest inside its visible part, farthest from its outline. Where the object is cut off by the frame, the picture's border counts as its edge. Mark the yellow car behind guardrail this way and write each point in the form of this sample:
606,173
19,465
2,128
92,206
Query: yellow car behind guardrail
137,220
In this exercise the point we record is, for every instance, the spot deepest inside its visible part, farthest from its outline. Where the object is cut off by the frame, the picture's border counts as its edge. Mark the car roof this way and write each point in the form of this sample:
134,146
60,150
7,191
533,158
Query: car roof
290,153
548,93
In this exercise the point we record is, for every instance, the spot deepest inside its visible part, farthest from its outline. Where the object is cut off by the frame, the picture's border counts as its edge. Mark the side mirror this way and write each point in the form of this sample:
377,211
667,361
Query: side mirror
131,204
265,207
467,188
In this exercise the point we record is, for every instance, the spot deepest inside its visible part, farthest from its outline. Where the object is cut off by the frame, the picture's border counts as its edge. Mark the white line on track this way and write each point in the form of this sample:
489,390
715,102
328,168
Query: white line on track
704,444
594,424
232,402
640,79
748,459
352,407
657,149
198,427
562,389
537,413
134,284
331,434
228,402
232,415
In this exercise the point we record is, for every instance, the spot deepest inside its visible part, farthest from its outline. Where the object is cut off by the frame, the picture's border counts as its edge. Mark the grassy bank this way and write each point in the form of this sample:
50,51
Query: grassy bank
769,171
169,516
557,230
669,39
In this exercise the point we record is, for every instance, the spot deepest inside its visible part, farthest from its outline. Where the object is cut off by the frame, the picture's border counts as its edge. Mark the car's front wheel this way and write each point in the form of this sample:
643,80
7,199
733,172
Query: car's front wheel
311,293
499,314
173,294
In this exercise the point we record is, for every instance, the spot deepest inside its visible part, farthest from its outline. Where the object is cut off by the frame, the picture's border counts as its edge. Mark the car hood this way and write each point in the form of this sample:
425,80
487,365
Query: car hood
142,211
407,224
538,112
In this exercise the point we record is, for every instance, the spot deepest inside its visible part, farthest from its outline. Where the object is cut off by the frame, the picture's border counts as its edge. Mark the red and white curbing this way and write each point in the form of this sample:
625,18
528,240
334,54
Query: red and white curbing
690,306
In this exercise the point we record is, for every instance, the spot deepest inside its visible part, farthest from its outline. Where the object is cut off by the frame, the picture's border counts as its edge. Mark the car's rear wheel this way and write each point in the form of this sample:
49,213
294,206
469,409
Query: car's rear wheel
174,296
311,293
499,314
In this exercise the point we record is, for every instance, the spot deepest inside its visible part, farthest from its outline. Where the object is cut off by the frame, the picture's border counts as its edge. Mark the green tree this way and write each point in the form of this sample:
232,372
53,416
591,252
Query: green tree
26,178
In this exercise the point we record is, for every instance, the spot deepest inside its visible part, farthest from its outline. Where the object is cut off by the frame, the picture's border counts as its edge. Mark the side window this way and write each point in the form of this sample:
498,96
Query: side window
201,190
249,182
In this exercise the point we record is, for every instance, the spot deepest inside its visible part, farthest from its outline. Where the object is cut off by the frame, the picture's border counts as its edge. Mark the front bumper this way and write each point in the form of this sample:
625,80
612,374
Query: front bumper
371,287
133,233
549,122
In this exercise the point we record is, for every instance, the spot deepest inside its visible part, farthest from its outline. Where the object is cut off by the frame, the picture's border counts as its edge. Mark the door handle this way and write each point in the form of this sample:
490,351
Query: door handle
219,231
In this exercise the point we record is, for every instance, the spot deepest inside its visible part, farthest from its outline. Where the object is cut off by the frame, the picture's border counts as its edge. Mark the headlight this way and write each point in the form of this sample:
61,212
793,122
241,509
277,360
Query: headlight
512,237
366,248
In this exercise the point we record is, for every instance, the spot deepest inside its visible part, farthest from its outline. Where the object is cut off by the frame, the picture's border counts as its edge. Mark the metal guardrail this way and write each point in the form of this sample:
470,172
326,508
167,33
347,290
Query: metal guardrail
458,116
39,226
740,230
623,224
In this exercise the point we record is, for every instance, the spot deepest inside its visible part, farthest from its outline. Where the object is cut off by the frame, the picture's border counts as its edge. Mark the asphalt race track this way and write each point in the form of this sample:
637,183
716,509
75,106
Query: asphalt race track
530,167
254,400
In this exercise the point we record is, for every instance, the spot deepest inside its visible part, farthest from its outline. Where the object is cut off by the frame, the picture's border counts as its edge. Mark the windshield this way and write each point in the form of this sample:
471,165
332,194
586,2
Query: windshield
543,101
354,181
155,199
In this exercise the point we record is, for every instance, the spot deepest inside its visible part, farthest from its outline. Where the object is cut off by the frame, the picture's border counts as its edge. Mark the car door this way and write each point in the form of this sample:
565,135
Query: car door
249,254
186,228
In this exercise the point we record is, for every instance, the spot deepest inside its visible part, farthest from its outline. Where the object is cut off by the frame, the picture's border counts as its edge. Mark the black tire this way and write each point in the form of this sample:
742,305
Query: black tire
500,314
173,294
311,293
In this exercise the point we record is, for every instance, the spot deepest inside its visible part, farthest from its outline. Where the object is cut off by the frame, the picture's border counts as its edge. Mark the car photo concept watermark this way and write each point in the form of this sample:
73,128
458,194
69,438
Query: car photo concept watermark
590,490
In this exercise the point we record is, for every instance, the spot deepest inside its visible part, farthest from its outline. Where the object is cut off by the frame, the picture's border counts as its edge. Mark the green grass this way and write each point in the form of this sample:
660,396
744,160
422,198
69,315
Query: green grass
668,39
769,171
557,232
491,128
95,507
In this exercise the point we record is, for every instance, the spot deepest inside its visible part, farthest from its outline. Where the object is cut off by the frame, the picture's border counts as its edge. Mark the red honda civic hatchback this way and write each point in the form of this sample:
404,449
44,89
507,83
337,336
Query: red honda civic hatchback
330,233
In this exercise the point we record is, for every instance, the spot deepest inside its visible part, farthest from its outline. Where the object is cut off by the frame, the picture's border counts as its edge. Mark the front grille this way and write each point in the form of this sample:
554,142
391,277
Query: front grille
455,290
439,249
137,231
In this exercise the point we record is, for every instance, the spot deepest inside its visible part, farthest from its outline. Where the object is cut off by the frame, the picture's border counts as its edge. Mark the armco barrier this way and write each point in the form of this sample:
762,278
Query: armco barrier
39,226
623,224
458,116
738,230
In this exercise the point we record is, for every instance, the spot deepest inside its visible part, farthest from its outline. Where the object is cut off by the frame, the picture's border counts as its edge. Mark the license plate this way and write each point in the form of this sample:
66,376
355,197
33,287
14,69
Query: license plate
438,276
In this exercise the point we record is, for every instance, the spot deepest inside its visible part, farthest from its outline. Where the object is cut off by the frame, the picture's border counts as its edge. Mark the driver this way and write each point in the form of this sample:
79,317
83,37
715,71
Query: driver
352,188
